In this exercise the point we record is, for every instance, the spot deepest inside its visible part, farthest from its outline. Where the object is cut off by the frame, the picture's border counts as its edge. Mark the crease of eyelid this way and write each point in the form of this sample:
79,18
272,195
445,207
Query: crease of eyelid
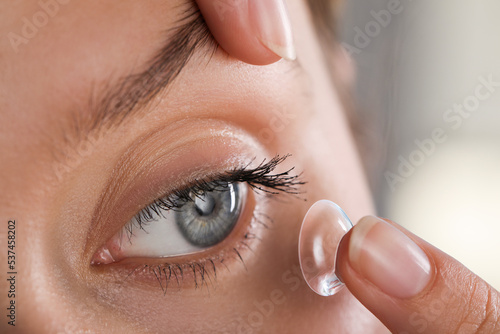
289,183
264,182
259,179
111,104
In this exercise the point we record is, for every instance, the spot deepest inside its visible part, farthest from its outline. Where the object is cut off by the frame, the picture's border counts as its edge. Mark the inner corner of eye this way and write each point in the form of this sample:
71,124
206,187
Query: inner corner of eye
173,225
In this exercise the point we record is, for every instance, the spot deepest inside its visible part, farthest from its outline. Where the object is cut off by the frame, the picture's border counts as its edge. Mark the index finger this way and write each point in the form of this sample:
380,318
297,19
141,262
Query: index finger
257,32
411,286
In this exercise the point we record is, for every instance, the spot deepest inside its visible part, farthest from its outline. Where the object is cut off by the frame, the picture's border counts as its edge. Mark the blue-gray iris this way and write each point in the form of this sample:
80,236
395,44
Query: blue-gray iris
211,216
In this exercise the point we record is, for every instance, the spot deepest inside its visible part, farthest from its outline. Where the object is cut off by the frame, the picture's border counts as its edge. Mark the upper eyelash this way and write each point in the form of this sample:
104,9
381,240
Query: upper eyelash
259,178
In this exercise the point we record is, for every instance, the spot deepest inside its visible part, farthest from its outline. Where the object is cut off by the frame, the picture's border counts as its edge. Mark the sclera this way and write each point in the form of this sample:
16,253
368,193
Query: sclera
323,227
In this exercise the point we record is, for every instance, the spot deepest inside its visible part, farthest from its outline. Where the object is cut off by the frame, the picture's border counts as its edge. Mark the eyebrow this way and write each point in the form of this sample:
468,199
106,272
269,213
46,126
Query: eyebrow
123,100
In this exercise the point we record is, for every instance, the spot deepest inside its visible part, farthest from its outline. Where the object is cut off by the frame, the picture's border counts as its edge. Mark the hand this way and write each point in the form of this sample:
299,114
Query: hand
411,286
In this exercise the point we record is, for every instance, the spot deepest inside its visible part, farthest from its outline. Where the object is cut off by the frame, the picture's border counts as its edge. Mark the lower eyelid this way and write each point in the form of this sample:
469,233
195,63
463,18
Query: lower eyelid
258,178
161,237
208,267
234,256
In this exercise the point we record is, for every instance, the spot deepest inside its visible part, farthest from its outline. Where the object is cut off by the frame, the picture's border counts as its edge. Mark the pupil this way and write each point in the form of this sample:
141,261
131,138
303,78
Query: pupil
204,205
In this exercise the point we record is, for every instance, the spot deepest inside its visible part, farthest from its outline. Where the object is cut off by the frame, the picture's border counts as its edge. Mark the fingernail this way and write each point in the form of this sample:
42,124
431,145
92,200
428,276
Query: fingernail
388,258
273,28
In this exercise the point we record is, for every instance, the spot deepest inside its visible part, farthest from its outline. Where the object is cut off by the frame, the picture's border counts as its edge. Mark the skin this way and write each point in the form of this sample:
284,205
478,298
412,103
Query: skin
454,299
68,199
225,104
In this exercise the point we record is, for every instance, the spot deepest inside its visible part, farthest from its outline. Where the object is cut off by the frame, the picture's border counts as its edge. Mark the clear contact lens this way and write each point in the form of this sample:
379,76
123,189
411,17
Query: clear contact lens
322,229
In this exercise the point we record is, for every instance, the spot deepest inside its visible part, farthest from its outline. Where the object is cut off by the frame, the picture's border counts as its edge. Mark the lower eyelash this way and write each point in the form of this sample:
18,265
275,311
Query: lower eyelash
204,272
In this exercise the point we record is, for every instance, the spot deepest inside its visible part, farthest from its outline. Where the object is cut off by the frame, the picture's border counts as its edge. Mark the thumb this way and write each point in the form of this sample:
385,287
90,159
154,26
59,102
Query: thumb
411,286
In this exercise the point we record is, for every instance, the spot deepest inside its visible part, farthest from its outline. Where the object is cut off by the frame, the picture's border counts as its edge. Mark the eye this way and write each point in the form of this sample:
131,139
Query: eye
210,216
186,222
196,219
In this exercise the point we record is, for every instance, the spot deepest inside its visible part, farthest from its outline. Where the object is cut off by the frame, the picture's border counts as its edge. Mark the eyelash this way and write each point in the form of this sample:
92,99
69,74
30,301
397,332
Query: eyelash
260,179
200,270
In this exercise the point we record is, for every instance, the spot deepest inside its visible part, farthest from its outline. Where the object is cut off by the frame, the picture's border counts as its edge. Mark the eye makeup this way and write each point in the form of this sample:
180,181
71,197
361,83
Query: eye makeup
200,215
184,222
163,164
265,184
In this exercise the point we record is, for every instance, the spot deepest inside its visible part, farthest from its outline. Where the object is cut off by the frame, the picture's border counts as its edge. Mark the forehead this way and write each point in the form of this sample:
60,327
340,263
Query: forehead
57,48
58,55
55,75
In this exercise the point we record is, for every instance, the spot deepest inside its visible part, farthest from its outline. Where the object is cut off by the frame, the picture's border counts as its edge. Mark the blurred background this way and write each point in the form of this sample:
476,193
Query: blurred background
428,84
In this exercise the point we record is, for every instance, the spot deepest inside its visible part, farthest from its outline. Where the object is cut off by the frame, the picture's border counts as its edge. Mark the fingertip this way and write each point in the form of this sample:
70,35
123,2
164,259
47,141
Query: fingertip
247,32
342,263
388,258
399,278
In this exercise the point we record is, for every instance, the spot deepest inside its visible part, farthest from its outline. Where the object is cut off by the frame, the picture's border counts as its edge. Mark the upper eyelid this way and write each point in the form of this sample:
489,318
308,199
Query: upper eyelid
263,174
259,178
248,233
158,162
